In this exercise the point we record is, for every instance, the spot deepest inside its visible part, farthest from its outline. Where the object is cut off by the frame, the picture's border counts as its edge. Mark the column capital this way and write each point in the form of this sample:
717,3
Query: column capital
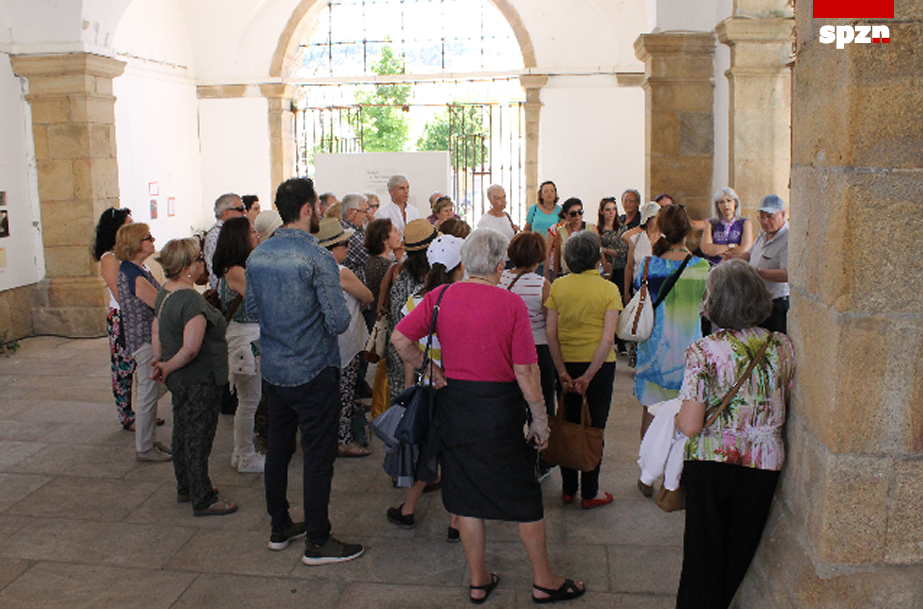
674,43
735,29
30,66
280,91
533,81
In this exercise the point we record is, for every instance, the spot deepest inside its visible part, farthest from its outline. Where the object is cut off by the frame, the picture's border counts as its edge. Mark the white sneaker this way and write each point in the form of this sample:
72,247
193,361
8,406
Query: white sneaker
152,456
235,459
254,464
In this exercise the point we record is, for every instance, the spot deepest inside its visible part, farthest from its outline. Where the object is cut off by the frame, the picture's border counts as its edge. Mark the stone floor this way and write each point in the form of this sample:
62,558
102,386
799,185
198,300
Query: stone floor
84,525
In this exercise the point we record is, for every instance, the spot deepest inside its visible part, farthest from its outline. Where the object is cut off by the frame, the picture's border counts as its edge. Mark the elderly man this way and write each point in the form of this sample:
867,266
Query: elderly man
325,202
769,256
226,207
355,213
293,288
398,210
496,217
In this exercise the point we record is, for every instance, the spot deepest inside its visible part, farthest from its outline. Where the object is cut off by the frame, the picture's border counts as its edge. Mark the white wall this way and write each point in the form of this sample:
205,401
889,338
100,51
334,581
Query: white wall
22,260
591,140
234,142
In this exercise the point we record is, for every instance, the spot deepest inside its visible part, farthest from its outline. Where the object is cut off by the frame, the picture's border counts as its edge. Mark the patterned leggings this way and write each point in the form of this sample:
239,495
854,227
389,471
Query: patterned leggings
123,367
195,419
348,380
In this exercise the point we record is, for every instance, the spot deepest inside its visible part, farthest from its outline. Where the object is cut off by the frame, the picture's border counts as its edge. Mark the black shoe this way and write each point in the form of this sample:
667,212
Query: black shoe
280,538
452,535
332,551
395,517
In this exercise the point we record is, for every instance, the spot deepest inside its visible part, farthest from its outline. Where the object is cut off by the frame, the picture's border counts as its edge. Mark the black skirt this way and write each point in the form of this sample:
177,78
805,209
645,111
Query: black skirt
488,469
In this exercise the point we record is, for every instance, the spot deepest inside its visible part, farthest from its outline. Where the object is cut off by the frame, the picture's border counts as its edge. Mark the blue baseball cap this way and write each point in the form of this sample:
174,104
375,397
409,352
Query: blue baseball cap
771,204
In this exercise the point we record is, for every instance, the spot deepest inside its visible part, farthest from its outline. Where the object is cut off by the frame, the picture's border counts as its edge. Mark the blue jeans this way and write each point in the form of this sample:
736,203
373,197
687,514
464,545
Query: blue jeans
314,409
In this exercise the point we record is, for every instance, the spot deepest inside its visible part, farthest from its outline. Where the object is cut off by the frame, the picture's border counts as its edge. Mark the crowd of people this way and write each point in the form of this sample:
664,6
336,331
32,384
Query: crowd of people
519,322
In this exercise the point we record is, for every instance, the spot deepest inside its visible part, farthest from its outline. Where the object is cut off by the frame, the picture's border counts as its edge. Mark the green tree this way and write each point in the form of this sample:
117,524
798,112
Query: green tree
460,130
383,120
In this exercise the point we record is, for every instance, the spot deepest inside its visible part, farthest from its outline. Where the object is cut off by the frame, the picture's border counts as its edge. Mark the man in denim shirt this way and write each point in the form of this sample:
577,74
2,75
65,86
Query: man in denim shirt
293,288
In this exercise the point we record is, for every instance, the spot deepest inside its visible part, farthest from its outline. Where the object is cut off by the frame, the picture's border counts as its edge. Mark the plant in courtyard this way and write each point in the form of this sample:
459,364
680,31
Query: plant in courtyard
460,130
383,122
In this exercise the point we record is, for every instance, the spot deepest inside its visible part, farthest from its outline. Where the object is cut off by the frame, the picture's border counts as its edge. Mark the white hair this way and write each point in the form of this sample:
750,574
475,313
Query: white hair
483,250
396,180
224,202
719,194
351,201
494,188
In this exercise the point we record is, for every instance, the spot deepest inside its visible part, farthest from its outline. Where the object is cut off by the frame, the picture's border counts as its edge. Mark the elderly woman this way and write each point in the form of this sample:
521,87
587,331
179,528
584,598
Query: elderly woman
490,371
137,290
236,240
659,371
496,217
123,367
726,230
443,209
192,356
732,466
583,312
572,217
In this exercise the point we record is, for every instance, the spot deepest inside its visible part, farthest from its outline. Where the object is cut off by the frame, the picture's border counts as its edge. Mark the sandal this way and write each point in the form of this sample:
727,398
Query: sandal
568,591
218,508
487,588
130,426
353,450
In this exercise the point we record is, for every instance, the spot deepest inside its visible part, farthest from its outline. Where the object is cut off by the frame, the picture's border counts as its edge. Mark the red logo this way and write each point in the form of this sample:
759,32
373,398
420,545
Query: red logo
854,9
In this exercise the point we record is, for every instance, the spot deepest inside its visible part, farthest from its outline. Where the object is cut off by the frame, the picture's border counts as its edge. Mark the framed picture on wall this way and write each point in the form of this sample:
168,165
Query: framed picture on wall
171,207
153,209
153,189
4,223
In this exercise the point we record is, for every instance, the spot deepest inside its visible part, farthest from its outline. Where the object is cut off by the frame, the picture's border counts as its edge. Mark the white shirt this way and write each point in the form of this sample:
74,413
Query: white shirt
392,212
502,225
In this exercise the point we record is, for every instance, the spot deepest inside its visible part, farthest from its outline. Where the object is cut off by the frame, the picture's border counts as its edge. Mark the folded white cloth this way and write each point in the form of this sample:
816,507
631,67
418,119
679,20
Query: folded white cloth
663,446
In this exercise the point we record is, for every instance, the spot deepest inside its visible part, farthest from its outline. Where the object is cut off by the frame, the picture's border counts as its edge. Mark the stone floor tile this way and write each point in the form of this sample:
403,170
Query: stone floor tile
389,596
235,552
13,452
10,569
97,543
52,585
14,487
215,590
85,499
643,569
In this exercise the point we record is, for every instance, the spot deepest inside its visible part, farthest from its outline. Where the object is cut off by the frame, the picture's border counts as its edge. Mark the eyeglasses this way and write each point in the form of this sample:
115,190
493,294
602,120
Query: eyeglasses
575,213
242,209
374,206
148,238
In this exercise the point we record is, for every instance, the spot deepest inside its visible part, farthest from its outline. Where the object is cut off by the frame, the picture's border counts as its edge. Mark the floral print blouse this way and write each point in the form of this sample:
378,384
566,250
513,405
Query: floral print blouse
749,431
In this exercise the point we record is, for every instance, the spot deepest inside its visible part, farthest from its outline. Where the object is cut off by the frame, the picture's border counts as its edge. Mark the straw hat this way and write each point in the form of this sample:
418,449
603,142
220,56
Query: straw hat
418,234
331,233
267,223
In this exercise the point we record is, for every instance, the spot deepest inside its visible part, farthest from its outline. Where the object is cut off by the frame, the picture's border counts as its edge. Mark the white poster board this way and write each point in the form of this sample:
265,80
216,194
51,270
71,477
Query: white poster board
427,172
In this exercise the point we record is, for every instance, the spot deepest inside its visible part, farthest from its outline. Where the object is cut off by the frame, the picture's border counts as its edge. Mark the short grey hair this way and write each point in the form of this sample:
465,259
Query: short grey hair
719,194
483,250
581,252
371,195
397,180
351,201
634,192
226,201
494,188
735,296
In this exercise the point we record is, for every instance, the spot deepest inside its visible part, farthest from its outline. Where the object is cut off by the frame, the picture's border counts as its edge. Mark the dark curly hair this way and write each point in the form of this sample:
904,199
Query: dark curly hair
233,245
109,224
572,202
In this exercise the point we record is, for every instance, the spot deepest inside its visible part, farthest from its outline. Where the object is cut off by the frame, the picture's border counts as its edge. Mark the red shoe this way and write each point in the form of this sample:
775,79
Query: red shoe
568,499
589,504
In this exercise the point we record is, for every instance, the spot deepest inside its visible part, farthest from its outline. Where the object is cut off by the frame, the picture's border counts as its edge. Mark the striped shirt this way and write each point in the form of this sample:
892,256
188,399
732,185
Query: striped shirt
529,288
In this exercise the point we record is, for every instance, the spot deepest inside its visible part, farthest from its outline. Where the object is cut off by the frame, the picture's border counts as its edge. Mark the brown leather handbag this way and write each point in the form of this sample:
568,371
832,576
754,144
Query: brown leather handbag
574,445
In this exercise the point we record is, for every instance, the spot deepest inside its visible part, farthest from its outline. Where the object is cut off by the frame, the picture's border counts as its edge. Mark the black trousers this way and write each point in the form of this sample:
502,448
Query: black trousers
777,320
599,398
726,511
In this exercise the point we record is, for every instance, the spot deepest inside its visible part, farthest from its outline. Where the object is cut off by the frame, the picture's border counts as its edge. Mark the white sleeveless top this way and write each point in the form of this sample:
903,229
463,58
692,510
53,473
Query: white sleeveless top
529,288
113,303
643,249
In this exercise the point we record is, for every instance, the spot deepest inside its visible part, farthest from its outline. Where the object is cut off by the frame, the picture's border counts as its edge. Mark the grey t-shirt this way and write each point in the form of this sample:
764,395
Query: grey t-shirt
174,311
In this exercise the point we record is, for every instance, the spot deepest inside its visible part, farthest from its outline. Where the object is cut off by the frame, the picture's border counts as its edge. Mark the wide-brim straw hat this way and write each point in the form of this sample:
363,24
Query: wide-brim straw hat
418,234
332,232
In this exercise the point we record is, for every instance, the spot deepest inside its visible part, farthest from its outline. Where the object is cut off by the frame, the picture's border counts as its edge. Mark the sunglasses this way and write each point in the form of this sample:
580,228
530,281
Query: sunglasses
375,206
148,238
114,211
242,209
574,214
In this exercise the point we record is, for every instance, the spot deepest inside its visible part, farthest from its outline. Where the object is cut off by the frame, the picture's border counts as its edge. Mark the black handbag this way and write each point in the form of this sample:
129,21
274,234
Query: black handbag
418,399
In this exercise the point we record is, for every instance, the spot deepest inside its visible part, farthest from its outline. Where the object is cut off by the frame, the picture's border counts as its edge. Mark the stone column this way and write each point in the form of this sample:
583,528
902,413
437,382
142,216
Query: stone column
679,121
532,83
281,132
760,107
73,125
847,531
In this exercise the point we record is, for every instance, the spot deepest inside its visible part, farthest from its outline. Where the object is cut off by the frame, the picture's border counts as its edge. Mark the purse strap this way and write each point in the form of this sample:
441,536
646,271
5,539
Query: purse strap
671,281
384,291
715,411
642,294
515,279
